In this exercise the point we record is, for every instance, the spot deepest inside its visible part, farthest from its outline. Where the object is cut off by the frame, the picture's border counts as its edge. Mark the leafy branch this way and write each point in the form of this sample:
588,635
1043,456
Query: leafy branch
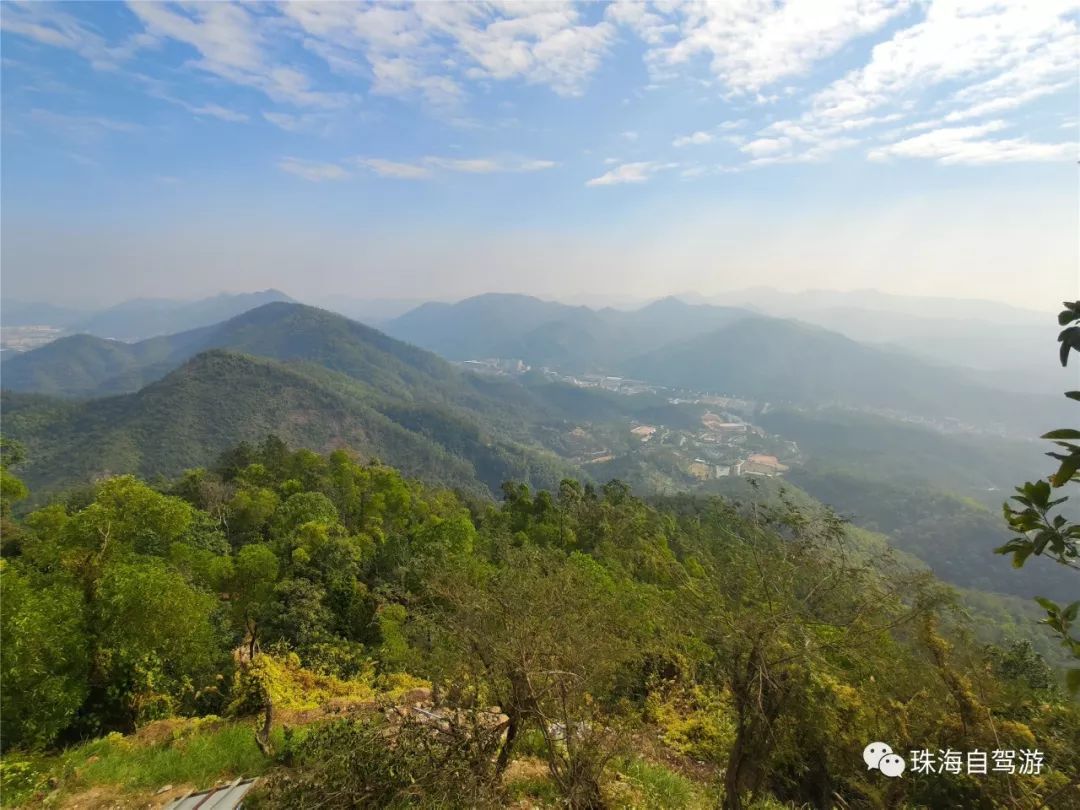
1039,531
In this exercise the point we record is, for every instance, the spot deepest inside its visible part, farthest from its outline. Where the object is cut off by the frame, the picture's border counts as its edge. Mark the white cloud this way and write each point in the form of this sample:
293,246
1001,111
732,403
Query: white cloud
314,171
217,111
392,168
488,165
427,167
968,145
698,138
763,147
49,24
994,47
233,44
629,173
82,128
430,49
755,43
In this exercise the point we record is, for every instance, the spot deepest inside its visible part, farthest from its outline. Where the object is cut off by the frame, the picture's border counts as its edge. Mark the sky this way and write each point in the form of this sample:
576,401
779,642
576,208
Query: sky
440,150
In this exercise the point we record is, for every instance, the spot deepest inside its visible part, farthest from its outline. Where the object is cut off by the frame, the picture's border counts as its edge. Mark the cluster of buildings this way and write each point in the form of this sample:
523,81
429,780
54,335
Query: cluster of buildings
755,464
495,365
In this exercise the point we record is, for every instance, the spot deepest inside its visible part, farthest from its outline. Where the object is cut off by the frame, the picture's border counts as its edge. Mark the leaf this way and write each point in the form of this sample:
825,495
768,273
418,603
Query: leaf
1047,605
1072,680
1070,339
1070,612
1066,471
1063,433
1073,395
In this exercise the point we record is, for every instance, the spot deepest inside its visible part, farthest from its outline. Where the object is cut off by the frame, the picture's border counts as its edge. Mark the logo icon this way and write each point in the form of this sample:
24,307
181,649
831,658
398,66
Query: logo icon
880,756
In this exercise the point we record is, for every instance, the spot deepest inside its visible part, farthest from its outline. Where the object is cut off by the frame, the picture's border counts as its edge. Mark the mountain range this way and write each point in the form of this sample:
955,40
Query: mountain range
138,318
87,407
723,349
313,377
699,347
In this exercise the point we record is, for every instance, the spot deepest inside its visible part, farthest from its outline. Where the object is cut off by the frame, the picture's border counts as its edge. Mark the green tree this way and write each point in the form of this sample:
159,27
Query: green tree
542,635
44,660
1041,528
157,645
255,573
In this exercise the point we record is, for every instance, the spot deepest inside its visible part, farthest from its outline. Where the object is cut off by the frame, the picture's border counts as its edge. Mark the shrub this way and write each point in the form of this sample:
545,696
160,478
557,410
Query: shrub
372,761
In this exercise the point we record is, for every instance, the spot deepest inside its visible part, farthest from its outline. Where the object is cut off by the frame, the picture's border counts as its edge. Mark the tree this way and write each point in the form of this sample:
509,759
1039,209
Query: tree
1041,531
44,660
783,610
255,572
12,490
156,645
542,635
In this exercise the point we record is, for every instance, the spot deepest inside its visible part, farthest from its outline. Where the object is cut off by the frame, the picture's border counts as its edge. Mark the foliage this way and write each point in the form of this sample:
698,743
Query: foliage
370,762
1039,530
43,659
560,629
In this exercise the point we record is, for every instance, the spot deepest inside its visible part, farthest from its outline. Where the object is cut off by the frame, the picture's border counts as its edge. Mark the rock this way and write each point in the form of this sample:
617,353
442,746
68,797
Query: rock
419,695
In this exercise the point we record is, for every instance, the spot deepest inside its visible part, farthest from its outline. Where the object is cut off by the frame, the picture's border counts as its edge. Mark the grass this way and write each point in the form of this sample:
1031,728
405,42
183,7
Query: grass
654,787
197,753
198,759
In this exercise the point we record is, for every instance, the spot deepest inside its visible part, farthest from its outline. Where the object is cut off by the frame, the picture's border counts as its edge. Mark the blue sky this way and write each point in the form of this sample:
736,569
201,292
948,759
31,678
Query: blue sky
622,150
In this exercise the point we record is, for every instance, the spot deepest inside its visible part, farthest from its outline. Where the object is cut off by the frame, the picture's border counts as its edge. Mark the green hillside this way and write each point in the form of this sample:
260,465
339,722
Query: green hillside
220,398
84,365
545,333
144,317
285,614
980,466
788,362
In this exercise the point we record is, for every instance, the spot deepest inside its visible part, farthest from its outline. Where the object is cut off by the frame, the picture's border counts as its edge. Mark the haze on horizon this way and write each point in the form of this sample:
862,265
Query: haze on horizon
607,152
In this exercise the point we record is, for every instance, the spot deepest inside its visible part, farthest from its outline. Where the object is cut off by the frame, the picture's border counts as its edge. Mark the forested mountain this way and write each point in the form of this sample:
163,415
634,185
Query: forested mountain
955,536
289,579
668,343
138,318
88,366
974,465
721,349
1004,345
220,398
14,312
545,333
146,317
481,326
785,361
83,365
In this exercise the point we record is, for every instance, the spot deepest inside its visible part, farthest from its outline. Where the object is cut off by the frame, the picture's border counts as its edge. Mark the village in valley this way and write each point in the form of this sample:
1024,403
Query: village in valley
714,438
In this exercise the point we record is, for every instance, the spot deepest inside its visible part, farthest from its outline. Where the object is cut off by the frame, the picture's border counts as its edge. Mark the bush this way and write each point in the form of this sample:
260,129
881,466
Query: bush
373,761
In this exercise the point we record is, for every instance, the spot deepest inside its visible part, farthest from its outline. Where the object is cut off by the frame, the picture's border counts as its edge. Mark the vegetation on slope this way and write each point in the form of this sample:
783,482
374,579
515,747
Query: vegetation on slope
185,421
607,632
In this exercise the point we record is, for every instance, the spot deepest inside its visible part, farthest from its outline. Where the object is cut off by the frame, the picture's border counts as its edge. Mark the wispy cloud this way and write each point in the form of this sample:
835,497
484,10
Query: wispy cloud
314,171
629,173
395,169
489,165
698,138
970,146
233,44
217,111
433,49
994,50
84,128
750,46
50,24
